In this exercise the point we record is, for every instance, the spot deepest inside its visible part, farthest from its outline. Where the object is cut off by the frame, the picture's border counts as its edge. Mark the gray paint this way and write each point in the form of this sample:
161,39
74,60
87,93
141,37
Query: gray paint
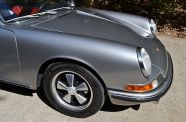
95,38
1,20
1,23
111,65
9,62
138,24
129,98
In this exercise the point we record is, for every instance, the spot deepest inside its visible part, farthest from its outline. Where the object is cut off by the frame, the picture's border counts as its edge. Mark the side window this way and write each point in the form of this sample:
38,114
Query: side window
5,10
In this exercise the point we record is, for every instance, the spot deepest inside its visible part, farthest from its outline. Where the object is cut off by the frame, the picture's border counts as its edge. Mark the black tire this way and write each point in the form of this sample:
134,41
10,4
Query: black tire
98,96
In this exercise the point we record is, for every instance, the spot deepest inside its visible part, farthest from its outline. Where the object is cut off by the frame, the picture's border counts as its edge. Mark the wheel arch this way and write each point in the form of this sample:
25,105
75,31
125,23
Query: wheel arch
49,62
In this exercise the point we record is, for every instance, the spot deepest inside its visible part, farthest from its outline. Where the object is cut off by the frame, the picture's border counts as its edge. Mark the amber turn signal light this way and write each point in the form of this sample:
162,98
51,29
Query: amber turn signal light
141,88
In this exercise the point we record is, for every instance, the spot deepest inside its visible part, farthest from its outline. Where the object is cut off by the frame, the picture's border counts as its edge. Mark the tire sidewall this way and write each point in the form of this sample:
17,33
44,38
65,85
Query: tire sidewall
97,89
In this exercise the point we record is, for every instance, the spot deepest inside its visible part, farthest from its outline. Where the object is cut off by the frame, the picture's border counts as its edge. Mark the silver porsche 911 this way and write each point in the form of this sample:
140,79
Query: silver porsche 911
82,57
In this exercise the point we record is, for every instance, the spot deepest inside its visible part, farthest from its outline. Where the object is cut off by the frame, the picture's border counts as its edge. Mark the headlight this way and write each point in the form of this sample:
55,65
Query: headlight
153,27
144,62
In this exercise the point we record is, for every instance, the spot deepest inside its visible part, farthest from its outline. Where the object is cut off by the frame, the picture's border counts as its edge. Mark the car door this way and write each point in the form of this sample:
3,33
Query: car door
9,59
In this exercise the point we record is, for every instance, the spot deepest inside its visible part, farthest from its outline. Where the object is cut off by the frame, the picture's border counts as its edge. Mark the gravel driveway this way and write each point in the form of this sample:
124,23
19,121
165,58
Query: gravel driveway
22,107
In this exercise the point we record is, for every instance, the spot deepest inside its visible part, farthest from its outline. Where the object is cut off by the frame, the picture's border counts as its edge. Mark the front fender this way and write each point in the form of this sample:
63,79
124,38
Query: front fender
136,23
116,63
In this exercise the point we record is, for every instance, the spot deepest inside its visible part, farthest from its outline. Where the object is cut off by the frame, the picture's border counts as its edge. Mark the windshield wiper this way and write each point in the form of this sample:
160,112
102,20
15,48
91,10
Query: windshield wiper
22,18
48,12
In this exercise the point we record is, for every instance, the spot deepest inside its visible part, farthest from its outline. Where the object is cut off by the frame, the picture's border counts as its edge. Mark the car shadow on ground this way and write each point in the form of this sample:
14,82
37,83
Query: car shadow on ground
107,107
16,89
43,97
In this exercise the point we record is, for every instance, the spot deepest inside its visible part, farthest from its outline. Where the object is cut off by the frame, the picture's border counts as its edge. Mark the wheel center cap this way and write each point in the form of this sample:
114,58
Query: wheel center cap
71,91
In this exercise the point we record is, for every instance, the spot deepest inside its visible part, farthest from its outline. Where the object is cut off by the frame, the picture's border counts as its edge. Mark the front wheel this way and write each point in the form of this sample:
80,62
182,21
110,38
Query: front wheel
73,90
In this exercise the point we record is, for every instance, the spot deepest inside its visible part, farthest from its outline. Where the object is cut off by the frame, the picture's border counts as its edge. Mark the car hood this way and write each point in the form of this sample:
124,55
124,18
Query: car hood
102,25
97,23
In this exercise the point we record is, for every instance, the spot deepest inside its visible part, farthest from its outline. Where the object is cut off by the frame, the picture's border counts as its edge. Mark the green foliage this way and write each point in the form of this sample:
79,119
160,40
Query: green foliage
161,6
166,13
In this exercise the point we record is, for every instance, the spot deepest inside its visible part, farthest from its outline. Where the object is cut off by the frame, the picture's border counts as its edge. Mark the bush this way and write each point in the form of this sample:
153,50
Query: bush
169,14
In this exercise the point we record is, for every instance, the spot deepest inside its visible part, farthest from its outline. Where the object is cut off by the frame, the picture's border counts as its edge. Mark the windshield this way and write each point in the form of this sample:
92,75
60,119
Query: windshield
11,9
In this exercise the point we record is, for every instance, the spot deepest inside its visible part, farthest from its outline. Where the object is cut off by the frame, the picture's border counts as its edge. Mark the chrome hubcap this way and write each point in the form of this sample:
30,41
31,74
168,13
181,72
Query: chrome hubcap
72,90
